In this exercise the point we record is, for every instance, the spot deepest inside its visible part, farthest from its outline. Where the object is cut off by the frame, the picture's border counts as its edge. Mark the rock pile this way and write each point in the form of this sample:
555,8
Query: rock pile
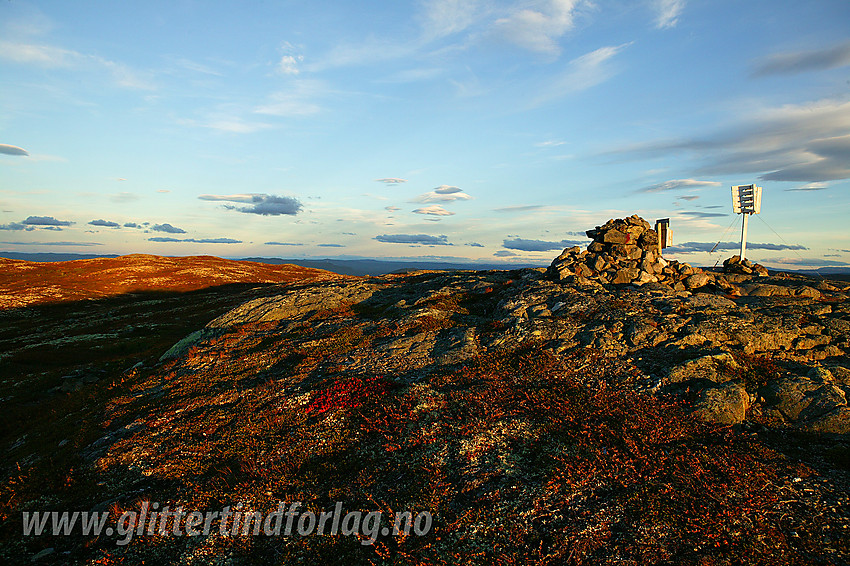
625,251
746,267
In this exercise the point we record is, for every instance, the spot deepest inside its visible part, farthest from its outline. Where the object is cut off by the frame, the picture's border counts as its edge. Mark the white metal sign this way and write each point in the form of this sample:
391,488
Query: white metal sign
746,199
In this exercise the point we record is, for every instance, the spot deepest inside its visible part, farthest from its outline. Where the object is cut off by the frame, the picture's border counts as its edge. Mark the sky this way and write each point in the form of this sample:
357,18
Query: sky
484,131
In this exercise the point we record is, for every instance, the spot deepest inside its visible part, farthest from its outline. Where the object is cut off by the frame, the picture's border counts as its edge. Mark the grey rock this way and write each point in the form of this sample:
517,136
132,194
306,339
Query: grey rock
726,404
696,281
791,396
833,422
716,368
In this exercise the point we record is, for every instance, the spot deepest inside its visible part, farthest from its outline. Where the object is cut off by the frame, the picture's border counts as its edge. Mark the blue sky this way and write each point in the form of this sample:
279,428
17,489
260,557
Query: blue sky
486,131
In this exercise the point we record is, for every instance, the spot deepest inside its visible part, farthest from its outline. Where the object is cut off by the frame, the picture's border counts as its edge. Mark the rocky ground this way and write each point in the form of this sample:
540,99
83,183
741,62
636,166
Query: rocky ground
541,418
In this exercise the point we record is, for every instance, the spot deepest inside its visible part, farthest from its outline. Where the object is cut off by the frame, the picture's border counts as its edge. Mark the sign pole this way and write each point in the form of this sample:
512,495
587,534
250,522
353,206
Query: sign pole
744,236
746,200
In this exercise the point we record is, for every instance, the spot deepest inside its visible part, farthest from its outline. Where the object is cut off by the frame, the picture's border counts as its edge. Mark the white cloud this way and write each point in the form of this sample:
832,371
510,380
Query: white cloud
804,143
168,228
45,221
12,150
434,196
675,184
391,180
263,204
581,74
434,210
414,239
231,198
538,29
539,245
231,124
300,100
288,64
447,190
445,17
124,197
52,57
811,187
39,55
668,12
522,208
105,223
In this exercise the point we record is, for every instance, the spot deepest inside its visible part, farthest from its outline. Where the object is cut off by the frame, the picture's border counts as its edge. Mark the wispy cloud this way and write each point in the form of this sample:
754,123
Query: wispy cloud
300,99
12,150
441,18
45,221
803,61
550,143
16,226
668,12
167,228
198,241
231,198
811,187
282,244
434,210
391,180
262,204
53,243
414,239
227,124
436,196
580,74
699,214
693,247
52,57
104,223
805,143
676,184
124,197
538,28
288,64
525,245
522,208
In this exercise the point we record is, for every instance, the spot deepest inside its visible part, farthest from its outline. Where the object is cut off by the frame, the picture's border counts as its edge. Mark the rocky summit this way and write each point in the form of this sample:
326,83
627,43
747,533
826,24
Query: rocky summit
626,251
614,408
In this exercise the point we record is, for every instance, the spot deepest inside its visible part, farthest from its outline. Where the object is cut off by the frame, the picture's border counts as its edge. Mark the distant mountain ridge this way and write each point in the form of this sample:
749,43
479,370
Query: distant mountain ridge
361,267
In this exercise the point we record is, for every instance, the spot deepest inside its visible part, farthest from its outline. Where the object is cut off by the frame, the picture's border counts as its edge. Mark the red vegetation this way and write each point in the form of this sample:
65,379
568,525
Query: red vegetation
25,283
347,394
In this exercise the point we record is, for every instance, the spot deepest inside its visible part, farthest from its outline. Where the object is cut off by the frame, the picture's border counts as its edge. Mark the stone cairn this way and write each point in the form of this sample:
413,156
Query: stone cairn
625,252
746,267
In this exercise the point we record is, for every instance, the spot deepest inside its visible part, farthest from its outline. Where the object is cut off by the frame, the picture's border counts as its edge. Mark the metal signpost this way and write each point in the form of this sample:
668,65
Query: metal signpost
665,234
746,200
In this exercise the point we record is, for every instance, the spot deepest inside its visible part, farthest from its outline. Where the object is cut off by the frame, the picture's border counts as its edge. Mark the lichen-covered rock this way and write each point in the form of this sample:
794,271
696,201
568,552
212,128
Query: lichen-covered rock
726,404
717,368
